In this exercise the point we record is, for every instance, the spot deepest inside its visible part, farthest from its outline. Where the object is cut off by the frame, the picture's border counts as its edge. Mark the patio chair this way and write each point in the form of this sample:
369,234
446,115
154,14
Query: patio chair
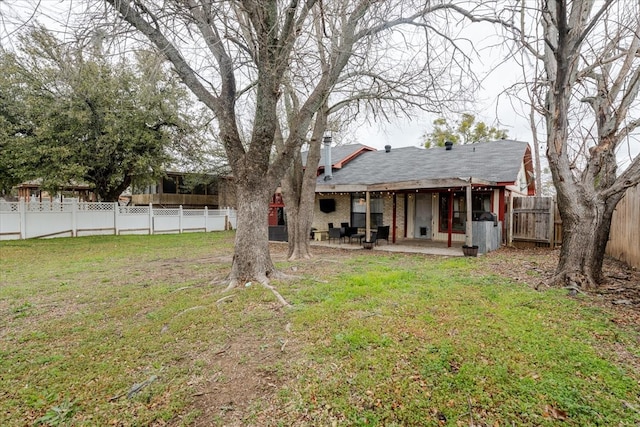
369,244
335,233
352,233
383,233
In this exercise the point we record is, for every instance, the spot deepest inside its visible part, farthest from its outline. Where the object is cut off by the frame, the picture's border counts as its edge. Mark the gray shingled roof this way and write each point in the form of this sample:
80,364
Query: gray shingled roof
338,153
494,161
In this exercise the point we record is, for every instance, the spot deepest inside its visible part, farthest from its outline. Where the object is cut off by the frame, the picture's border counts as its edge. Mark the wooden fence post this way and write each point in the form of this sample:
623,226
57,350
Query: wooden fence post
180,219
552,224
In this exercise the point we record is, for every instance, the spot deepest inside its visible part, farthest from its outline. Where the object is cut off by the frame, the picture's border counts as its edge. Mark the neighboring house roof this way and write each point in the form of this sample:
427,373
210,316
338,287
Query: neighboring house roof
340,155
72,185
494,162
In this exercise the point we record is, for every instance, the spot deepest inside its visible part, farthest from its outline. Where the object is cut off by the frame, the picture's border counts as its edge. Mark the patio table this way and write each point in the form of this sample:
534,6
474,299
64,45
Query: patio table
358,236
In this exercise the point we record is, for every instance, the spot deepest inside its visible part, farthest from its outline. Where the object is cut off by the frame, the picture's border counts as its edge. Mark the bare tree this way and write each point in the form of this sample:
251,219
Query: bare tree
591,58
420,66
235,57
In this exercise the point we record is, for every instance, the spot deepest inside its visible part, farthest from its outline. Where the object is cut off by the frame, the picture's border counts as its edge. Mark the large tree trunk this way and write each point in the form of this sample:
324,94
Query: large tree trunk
299,231
579,225
298,191
251,259
587,197
584,241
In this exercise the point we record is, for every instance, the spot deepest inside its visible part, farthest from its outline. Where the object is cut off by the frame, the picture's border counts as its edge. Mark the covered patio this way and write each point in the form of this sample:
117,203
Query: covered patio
442,198
417,246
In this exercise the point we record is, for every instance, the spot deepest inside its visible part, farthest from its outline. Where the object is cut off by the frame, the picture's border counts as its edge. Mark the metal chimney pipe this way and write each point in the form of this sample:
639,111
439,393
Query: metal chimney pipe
328,172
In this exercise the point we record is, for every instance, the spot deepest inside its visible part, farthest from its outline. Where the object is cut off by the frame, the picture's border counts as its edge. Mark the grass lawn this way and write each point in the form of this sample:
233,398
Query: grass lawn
130,331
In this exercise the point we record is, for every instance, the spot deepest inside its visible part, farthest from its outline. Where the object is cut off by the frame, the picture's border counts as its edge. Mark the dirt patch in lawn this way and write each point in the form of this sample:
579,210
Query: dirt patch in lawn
241,377
620,293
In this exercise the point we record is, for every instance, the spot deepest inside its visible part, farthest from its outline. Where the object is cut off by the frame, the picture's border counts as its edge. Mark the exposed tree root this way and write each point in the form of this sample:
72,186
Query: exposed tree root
277,294
263,279
265,282
197,307
296,257
232,284
574,290
218,281
575,282
284,276
225,298
573,279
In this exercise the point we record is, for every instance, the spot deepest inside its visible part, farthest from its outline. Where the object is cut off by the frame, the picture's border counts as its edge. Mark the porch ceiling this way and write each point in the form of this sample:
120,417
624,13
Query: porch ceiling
403,185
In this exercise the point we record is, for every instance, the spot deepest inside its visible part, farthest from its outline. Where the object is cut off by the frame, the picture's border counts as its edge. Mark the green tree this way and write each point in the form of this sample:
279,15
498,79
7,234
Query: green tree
13,129
466,131
87,118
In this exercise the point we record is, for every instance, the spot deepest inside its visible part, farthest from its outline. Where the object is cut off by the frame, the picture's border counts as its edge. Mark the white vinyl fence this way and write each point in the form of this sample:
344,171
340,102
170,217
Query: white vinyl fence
21,220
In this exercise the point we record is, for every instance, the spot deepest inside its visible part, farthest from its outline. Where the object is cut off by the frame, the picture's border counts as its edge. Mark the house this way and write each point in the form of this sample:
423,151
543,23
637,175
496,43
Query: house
338,158
423,193
189,190
32,191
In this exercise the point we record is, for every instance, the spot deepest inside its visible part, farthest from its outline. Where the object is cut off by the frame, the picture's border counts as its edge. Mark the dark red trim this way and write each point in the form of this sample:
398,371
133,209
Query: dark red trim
341,163
501,204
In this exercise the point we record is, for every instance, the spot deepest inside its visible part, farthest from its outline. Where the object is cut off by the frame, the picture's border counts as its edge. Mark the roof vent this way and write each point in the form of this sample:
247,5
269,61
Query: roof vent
448,145
387,148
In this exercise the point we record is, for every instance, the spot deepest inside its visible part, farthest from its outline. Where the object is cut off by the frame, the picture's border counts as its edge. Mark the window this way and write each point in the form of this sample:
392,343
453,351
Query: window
169,185
480,202
359,210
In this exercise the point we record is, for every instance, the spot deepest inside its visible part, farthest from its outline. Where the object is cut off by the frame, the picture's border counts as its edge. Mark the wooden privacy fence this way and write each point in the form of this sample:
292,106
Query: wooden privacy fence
22,220
624,237
534,221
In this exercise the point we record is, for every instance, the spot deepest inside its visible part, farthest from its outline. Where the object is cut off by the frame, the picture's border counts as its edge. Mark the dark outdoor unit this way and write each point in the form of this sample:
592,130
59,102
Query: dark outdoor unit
278,233
327,205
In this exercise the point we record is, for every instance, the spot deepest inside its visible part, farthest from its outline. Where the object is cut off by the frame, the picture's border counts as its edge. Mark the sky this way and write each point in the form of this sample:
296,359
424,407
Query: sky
487,50
493,107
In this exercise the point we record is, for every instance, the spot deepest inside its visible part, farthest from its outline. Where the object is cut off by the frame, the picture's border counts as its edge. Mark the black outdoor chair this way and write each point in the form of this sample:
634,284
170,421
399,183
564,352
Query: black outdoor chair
334,233
383,233
369,244
352,232
347,231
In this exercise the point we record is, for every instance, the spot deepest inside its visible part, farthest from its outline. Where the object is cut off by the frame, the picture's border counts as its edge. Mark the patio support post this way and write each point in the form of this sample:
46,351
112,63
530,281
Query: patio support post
393,227
450,219
469,226
367,216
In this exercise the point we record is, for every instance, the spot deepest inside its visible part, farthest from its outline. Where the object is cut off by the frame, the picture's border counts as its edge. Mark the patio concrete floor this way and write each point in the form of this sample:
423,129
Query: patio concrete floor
418,246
